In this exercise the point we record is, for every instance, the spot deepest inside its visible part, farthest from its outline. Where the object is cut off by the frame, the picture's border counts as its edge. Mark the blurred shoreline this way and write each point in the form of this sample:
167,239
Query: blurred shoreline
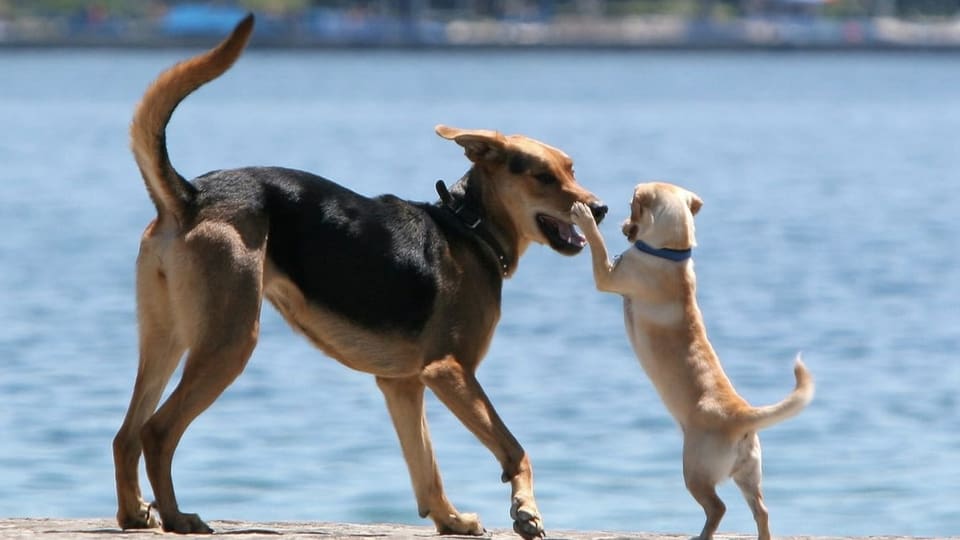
333,31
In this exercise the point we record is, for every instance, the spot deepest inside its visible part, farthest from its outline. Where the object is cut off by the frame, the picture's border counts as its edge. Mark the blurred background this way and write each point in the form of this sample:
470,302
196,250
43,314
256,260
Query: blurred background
464,23
822,136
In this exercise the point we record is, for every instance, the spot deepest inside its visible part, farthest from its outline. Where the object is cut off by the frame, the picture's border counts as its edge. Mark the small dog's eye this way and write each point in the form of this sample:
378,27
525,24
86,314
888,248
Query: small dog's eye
545,178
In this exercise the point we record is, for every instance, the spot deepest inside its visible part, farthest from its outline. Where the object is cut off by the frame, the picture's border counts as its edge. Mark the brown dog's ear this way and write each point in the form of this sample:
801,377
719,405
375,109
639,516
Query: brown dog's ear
695,202
478,144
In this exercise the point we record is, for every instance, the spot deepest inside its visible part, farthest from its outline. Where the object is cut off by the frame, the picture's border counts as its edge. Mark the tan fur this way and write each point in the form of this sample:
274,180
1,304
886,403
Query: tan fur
667,332
515,204
202,275
154,110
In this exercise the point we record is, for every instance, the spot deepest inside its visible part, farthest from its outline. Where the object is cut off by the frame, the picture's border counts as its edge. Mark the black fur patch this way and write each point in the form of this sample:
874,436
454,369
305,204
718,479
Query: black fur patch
372,260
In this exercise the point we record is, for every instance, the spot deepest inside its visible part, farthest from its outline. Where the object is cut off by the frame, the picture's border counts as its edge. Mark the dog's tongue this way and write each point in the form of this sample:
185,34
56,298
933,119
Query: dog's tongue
571,235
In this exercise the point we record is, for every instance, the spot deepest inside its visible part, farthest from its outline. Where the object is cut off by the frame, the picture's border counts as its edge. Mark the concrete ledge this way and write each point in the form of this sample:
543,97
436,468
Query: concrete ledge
106,529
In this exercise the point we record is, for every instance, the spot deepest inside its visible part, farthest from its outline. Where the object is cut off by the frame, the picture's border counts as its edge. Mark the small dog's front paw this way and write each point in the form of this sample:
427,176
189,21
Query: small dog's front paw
581,215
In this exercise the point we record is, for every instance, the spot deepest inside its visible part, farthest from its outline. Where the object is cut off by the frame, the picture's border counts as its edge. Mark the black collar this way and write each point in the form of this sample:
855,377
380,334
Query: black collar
471,219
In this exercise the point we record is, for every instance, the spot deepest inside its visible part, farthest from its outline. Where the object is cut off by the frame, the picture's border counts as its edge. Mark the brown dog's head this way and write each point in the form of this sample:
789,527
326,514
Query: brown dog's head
528,186
661,215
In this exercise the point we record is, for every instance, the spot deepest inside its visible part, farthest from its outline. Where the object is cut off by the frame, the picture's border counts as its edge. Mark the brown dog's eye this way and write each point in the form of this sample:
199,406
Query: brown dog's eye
518,163
545,178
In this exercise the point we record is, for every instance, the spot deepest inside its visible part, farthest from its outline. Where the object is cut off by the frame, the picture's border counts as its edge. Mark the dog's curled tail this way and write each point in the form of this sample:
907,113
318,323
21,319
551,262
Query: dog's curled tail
758,418
169,191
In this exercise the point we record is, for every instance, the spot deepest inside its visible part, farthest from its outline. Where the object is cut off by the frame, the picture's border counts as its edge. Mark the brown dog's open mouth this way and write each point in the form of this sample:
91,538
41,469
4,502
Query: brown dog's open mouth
562,237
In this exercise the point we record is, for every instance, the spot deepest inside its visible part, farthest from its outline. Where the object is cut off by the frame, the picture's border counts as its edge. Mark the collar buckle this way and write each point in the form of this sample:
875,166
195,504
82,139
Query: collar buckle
471,220
457,207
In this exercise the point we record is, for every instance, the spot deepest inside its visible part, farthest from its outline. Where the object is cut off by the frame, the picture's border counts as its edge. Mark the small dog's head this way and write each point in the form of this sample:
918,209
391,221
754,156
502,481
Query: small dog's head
531,182
661,215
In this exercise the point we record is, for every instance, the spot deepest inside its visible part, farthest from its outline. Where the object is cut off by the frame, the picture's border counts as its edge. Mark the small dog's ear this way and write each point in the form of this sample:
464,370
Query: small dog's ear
640,221
695,203
478,144
647,219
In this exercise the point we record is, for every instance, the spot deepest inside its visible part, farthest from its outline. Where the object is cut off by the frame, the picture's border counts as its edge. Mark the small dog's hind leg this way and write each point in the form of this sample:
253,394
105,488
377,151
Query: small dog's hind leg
748,475
701,482
404,399
713,507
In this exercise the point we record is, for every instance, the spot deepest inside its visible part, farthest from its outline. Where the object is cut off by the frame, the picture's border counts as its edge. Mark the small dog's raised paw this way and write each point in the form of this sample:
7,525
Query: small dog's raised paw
582,217
580,214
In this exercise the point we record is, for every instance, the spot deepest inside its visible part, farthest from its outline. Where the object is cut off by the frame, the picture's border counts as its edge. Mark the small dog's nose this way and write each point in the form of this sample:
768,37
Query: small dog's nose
599,210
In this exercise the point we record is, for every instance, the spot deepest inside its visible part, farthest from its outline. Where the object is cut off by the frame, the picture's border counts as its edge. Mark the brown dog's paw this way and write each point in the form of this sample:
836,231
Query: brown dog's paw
461,524
186,524
526,520
146,517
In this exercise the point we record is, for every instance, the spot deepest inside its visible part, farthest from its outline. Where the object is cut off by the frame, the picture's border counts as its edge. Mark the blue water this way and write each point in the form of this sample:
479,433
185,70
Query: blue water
829,227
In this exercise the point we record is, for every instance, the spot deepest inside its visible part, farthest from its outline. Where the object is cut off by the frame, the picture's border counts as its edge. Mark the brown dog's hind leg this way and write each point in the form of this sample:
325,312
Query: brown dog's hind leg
405,402
216,291
133,512
459,390
207,373
160,352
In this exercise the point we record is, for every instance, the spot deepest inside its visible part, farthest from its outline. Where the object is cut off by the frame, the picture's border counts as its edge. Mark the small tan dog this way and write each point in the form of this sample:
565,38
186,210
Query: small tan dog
656,279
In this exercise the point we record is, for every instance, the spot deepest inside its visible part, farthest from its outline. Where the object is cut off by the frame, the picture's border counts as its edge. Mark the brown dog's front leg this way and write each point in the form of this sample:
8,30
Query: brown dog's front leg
459,390
405,402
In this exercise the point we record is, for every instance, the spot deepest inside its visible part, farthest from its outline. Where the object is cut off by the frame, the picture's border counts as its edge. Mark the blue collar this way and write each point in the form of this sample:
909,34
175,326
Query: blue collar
676,255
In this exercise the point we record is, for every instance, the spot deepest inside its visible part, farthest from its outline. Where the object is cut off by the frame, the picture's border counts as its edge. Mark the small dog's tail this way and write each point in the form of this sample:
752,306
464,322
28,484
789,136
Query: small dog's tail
169,191
757,418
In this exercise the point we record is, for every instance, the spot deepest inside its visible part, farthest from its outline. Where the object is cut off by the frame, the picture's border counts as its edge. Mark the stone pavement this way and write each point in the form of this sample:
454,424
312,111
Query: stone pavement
106,529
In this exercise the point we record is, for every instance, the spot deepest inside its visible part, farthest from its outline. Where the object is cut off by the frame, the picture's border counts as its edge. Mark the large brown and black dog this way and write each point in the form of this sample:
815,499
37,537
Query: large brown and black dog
408,292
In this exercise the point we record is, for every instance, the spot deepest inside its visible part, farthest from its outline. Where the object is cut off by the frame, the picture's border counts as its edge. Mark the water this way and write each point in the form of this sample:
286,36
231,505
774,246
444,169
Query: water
829,227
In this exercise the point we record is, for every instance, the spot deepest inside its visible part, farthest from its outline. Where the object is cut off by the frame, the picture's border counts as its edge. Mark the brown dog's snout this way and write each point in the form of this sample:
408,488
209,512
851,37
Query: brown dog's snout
599,210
